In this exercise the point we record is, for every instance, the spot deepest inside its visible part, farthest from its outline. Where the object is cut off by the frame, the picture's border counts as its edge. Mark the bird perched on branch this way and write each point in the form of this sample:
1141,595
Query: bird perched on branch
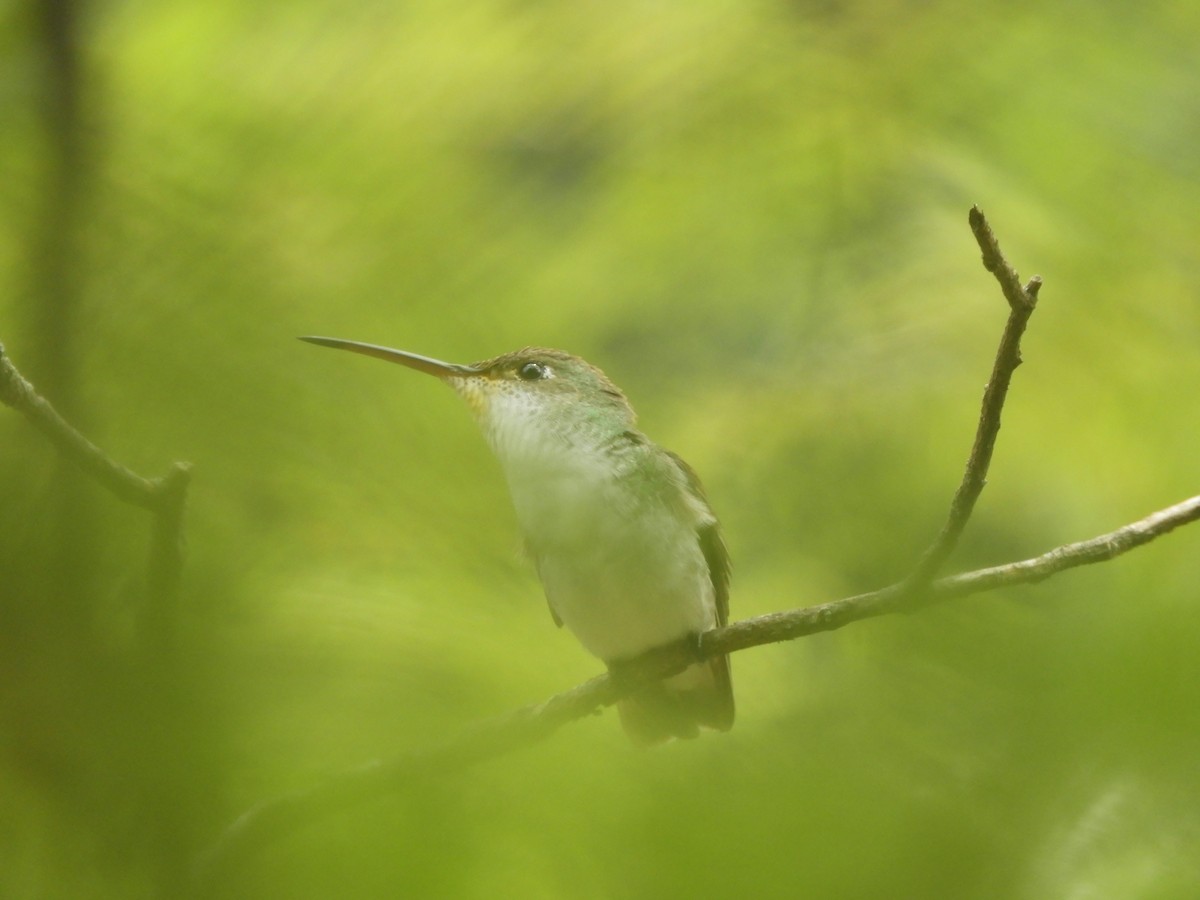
627,548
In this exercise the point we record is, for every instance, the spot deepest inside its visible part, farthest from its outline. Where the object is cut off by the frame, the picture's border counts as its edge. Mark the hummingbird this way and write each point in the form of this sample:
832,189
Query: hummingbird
627,548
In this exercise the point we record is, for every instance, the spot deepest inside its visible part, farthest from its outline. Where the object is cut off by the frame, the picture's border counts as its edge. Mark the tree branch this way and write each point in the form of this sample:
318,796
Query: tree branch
1021,303
165,497
273,818
18,393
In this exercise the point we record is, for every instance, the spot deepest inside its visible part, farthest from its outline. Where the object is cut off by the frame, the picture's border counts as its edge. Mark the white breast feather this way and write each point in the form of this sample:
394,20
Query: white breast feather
615,546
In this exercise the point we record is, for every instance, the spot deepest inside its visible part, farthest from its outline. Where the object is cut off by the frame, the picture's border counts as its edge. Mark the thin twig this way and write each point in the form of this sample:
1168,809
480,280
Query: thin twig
274,818
164,497
1021,303
18,393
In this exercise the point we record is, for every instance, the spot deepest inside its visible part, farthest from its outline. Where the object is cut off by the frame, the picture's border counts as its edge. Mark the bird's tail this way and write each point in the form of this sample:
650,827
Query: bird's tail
699,696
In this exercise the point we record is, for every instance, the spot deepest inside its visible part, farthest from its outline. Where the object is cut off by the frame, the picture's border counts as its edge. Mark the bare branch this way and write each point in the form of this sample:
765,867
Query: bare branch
272,819
1021,302
165,497
18,393
899,597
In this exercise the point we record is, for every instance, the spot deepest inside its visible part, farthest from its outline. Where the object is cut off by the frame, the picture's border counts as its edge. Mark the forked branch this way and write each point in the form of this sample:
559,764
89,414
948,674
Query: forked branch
272,818
164,497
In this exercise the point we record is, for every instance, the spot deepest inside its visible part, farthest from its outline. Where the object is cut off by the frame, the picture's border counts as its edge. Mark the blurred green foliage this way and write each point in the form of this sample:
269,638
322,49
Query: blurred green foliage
753,217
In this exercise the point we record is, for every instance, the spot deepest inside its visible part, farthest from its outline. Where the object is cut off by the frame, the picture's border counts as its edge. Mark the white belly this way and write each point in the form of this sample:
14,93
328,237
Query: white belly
622,569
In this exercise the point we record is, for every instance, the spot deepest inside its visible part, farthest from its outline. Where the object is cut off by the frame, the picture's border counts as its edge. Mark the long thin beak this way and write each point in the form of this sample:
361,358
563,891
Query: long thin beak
412,360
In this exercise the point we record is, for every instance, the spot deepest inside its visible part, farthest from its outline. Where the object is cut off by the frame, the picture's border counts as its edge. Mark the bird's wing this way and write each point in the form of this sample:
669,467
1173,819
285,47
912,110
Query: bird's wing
717,556
712,544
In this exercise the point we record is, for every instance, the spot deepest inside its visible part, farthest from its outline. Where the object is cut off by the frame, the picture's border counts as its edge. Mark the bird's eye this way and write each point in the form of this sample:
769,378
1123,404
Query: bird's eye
532,371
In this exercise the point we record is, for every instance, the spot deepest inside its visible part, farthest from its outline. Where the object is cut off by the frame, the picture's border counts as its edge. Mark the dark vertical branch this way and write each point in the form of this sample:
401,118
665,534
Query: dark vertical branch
55,287
56,281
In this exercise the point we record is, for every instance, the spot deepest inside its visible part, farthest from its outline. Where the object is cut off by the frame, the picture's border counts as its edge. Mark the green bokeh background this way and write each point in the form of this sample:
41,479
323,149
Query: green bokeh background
752,215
